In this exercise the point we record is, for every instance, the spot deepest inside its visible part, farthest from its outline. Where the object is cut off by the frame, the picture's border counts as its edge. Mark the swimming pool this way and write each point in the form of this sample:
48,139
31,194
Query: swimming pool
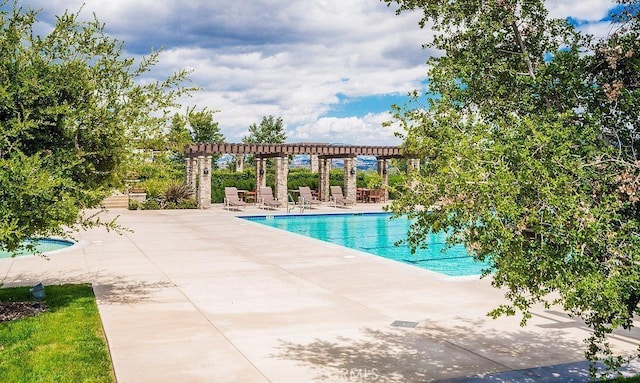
377,233
44,245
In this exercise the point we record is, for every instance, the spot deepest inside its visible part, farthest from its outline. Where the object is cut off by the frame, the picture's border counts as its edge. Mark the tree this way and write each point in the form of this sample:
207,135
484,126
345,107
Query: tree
203,128
270,131
70,111
178,135
190,128
530,156
193,127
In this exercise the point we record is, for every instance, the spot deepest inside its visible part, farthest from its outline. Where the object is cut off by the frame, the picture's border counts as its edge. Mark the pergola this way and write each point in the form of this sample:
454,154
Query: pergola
198,164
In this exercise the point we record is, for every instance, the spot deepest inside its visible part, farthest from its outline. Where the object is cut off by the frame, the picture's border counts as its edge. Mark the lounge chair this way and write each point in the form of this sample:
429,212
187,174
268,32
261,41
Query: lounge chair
266,198
338,199
231,199
306,198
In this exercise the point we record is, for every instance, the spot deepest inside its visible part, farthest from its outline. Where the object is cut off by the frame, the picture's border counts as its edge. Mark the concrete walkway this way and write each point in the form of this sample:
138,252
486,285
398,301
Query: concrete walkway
202,296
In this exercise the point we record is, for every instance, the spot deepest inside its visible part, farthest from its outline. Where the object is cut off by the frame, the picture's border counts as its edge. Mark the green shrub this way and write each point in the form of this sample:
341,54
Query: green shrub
156,187
176,192
187,203
161,166
302,177
372,179
336,177
175,196
151,204
222,178
397,183
297,177
133,204
247,180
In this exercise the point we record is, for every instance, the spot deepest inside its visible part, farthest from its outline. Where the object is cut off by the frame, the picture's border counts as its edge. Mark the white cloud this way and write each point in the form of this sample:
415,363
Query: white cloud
599,29
357,131
589,10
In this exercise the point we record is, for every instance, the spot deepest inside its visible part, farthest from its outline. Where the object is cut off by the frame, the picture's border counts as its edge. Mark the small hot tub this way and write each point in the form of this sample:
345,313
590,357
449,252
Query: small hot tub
43,245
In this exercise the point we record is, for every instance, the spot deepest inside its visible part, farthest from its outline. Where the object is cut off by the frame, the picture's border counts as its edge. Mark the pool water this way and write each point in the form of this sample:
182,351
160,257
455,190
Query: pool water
377,233
44,245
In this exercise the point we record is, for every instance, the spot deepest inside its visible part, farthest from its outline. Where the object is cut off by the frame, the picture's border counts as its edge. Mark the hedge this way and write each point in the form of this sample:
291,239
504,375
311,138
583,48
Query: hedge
246,180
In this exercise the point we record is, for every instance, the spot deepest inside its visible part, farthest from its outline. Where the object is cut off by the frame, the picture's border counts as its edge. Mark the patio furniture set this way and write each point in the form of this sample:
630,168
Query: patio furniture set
236,199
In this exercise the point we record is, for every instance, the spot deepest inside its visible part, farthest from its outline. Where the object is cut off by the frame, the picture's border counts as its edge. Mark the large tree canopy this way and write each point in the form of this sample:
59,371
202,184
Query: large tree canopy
70,109
530,155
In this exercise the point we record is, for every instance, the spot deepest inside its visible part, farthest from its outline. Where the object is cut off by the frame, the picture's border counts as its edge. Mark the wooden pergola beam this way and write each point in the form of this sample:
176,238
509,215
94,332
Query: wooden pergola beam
270,150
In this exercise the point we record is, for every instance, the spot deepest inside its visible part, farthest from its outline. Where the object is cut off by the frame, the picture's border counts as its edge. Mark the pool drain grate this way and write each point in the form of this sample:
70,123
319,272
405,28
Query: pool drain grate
402,323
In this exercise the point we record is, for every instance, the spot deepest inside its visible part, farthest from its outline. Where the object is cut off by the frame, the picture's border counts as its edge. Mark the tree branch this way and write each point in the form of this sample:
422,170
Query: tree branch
525,53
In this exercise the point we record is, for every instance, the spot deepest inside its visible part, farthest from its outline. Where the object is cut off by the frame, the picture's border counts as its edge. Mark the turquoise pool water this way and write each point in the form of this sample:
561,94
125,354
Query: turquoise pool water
44,245
377,233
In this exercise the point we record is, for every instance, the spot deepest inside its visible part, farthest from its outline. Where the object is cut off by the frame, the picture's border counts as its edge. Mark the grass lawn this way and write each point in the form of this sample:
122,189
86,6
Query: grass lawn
64,344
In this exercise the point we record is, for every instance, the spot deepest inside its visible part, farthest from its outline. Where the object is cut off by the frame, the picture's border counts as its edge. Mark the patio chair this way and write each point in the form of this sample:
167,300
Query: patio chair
338,199
292,204
231,199
306,198
267,200
377,195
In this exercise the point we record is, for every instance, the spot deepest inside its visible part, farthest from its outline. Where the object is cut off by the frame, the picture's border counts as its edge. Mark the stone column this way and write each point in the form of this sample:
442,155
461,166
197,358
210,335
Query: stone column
191,164
204,182
323,179
239,163
261,172
187,170
313,160
282,172
383,167
194,173
349,189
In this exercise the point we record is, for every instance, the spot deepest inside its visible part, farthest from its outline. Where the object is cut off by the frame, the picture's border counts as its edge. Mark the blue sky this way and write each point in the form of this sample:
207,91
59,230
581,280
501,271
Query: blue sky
361,106
330,68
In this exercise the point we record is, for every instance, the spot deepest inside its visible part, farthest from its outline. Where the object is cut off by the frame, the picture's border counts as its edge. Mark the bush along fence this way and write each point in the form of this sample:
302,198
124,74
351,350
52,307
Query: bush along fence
297,177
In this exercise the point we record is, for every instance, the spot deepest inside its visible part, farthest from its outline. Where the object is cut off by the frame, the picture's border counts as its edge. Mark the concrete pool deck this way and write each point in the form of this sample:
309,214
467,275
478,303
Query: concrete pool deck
202,296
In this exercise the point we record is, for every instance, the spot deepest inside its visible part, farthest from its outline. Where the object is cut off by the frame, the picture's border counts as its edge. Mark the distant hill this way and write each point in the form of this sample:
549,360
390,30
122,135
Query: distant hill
302,161
362,162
